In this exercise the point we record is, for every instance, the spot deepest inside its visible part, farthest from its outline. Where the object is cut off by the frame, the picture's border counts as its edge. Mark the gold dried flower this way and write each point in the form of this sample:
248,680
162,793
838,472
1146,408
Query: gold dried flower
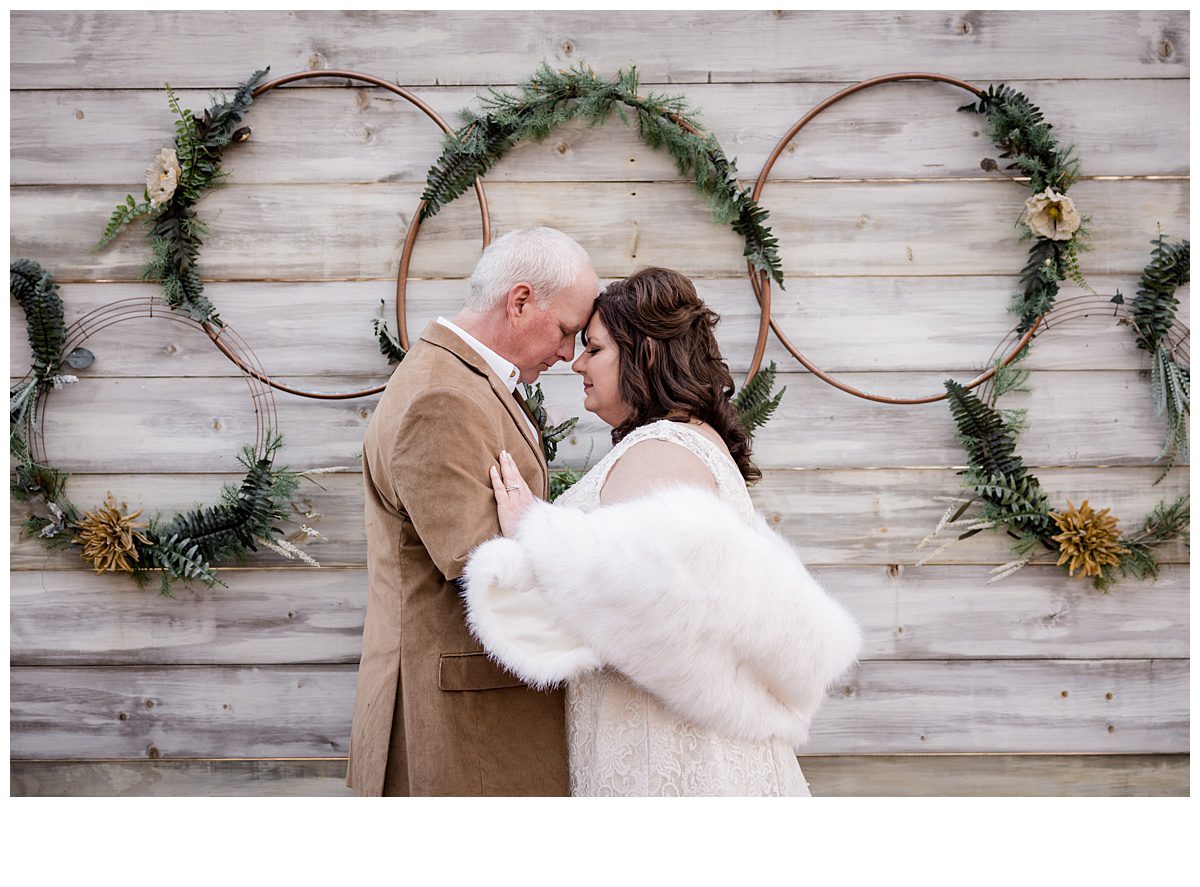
108,536
1089,539
1052,215
162,178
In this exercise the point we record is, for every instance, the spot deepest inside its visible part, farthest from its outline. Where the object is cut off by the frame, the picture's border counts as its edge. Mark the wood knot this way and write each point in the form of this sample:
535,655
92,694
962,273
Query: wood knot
225,706
862,221
1108,696
316,61
364,413
152,751
965,27
122,716
1064,692
568,47
79,115
170,348
149,703
894,570
561,148
361,99
1165,48
217,425
1112,729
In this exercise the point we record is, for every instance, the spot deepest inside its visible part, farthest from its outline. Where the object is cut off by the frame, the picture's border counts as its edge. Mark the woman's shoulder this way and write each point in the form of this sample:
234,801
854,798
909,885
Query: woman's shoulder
655,455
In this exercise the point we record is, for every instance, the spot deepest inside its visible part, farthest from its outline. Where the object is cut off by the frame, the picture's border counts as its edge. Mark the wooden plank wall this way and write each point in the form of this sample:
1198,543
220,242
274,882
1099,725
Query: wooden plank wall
900,255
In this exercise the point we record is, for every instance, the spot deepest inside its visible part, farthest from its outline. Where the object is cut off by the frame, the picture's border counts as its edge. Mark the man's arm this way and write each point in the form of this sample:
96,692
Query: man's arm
439,468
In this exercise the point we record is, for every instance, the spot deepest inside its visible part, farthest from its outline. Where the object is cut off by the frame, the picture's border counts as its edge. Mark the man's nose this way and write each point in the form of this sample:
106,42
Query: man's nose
567,351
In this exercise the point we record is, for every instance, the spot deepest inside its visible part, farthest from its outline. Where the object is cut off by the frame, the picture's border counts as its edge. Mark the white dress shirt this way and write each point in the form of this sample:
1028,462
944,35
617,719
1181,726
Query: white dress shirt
506,370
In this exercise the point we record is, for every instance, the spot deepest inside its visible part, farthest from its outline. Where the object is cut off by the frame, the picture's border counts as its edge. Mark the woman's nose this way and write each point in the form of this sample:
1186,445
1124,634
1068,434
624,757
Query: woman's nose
577,366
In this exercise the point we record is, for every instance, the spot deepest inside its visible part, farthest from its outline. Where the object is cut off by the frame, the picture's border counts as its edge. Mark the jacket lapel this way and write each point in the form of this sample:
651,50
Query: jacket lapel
444,337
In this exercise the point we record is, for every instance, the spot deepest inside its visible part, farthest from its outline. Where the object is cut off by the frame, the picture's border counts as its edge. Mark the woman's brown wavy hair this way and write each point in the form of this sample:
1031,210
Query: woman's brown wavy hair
668,358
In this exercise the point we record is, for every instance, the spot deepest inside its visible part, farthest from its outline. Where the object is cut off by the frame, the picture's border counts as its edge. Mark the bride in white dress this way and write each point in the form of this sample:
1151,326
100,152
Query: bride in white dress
694,643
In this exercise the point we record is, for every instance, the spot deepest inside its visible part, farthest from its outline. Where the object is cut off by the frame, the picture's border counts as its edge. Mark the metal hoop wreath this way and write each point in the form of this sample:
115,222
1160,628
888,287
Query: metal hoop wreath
225,338
762,284
409,240
1087,305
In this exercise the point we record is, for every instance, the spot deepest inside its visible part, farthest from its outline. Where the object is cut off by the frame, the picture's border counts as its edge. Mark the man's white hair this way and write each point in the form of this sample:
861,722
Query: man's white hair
545,258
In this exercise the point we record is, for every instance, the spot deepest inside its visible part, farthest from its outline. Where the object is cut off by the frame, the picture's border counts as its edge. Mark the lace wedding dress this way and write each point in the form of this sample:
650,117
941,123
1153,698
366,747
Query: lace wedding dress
620,739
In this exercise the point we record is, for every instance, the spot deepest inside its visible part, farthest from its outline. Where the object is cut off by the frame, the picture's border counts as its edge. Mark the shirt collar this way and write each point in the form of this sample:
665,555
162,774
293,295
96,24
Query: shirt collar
508,372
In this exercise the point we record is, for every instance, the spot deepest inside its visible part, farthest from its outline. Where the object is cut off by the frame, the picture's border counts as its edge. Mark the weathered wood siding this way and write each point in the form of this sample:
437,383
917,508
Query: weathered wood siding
900,255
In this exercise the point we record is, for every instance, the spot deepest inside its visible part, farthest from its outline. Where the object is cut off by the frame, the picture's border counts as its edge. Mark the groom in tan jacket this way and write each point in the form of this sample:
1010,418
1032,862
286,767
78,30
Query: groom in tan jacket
432,714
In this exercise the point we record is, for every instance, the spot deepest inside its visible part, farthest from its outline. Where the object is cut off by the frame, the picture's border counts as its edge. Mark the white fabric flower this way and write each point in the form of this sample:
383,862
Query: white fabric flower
1052,215
60,381
162,178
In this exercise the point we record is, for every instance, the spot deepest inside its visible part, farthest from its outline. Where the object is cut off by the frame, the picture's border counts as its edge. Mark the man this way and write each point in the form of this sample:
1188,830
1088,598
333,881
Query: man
433,715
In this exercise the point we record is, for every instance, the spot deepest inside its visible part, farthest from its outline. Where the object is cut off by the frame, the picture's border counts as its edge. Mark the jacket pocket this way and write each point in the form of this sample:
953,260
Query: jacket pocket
472,671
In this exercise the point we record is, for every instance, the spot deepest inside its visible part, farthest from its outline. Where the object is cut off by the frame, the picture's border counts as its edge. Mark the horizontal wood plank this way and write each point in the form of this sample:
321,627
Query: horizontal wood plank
323,231
834,516
105,49
828,776
1075,419
841,324
365,134
1109,706
294,778
311,616
1034,776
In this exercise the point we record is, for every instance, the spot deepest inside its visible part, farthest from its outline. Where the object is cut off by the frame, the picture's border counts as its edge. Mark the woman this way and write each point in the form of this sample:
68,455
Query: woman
695,644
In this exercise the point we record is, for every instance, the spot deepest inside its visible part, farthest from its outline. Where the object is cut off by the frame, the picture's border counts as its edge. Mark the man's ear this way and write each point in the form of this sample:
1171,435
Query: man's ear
520,300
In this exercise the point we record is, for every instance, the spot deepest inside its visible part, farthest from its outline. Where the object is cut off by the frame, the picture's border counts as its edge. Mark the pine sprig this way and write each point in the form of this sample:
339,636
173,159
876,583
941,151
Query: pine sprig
176,233
1018,128
1155,306
1164,523
186,547
553,97
1153,313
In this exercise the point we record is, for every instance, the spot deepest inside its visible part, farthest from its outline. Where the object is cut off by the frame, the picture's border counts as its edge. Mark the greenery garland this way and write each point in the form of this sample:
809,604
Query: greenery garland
182,547
1153,311
996,476
551,98
1011,497
175,181
1016,126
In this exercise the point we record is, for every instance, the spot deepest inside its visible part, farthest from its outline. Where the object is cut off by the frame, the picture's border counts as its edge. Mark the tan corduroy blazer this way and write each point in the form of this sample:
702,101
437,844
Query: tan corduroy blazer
432,714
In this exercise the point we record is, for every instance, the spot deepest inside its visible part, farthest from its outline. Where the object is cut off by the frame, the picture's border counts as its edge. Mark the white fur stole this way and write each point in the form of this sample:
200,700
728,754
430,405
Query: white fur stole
720,621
